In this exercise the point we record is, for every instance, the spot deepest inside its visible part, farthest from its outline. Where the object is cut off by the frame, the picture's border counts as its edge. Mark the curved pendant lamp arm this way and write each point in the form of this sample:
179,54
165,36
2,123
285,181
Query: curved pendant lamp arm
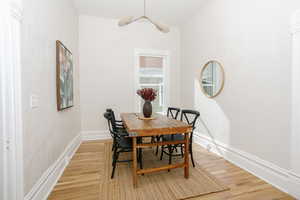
129,20
155,24
152,22
160,27
137,19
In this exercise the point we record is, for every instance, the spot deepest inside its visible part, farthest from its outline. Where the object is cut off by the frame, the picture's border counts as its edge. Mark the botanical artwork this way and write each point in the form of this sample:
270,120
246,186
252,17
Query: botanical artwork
64,77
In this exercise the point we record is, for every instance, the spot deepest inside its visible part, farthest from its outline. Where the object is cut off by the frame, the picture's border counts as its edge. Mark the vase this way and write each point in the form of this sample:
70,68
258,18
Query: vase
147,109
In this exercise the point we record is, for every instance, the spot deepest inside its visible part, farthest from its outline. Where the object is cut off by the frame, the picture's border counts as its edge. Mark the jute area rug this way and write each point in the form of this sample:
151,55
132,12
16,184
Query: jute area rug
161,185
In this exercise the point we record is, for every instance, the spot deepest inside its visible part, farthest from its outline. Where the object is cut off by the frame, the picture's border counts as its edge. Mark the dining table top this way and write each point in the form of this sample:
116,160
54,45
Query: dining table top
158,124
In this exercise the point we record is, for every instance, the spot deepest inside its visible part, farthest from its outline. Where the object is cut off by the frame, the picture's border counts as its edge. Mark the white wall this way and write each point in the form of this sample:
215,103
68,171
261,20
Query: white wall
252,40
295,139
46,131
107,66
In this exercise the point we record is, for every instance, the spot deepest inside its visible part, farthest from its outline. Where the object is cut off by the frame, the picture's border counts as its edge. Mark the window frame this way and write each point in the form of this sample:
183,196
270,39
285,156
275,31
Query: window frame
165,55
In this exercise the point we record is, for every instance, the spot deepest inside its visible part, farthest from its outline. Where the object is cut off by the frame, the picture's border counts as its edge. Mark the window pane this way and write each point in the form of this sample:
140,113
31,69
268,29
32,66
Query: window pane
149,80
151,62
151,76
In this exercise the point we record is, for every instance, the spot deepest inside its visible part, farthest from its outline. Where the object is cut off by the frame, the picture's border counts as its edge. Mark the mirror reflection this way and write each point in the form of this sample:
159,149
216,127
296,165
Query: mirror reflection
212,79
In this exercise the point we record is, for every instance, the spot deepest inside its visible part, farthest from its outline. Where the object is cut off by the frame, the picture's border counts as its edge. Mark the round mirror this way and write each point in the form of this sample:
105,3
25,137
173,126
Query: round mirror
212,79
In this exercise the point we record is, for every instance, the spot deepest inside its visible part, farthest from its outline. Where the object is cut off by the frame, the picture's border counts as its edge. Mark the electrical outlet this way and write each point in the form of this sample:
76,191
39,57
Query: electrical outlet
34,101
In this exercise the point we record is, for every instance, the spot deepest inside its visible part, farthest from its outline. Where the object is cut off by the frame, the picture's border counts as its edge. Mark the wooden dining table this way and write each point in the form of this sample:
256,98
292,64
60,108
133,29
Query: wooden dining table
159,125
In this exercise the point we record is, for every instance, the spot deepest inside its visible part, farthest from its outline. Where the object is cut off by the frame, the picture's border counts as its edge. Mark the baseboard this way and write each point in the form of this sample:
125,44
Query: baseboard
46,183
282,179
95,135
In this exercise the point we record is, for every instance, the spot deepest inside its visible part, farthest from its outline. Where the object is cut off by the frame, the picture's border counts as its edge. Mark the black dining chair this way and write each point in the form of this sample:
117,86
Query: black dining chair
190,117
116,125
172,113
121,142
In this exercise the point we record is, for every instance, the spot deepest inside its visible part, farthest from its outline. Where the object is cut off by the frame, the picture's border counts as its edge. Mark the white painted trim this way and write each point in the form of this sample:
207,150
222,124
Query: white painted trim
95,135
11,109
281,178
295,22
46,183
295,139
17,145
165,54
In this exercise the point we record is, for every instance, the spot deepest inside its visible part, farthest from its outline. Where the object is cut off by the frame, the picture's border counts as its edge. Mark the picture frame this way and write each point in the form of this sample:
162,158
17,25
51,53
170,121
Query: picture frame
64,77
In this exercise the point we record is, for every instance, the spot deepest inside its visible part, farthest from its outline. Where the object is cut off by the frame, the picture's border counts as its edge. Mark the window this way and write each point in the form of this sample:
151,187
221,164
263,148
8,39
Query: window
151,75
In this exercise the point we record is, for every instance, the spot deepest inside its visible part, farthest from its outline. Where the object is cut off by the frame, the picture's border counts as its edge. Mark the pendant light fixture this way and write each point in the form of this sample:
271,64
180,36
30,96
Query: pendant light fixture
129,19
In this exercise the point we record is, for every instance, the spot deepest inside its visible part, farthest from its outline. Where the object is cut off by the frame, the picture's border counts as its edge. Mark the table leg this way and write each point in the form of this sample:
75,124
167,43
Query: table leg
134,157
186,155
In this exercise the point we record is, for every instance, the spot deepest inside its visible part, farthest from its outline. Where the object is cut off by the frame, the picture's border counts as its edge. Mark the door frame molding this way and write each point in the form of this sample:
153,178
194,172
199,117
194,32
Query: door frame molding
11,107
165,54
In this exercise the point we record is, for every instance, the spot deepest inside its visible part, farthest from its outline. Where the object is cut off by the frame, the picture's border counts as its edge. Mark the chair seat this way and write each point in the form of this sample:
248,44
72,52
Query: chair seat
175,137
122,132
125,143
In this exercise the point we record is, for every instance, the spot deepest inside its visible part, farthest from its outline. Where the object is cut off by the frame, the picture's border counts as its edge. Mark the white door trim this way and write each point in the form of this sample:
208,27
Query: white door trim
165,54
11,110
295,127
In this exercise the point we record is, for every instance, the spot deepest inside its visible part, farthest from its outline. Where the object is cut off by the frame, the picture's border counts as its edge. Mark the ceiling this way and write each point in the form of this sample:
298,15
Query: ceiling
171,12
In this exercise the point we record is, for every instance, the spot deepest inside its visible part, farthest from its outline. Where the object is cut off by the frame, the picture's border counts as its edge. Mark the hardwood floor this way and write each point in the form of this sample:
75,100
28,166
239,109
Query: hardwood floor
82,178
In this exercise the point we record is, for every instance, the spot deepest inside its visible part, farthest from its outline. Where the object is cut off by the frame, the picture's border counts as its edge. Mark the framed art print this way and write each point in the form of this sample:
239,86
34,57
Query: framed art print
64,77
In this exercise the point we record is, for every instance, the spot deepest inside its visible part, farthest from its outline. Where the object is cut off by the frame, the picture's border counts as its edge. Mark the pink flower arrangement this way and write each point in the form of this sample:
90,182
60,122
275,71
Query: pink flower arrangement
148,94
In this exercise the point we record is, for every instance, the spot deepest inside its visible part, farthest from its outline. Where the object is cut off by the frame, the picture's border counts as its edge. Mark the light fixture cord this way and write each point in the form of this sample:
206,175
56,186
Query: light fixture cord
144,7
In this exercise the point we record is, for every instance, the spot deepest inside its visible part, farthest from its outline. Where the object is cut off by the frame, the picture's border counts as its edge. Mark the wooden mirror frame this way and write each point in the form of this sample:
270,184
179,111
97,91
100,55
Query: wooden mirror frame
223,82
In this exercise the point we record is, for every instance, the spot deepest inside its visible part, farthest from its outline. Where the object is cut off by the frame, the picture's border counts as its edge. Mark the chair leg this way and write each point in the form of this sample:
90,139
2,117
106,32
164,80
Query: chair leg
138,150
113,145
191,152
181,149
141,158
162,152
157,140
170,154
116,155
170,148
